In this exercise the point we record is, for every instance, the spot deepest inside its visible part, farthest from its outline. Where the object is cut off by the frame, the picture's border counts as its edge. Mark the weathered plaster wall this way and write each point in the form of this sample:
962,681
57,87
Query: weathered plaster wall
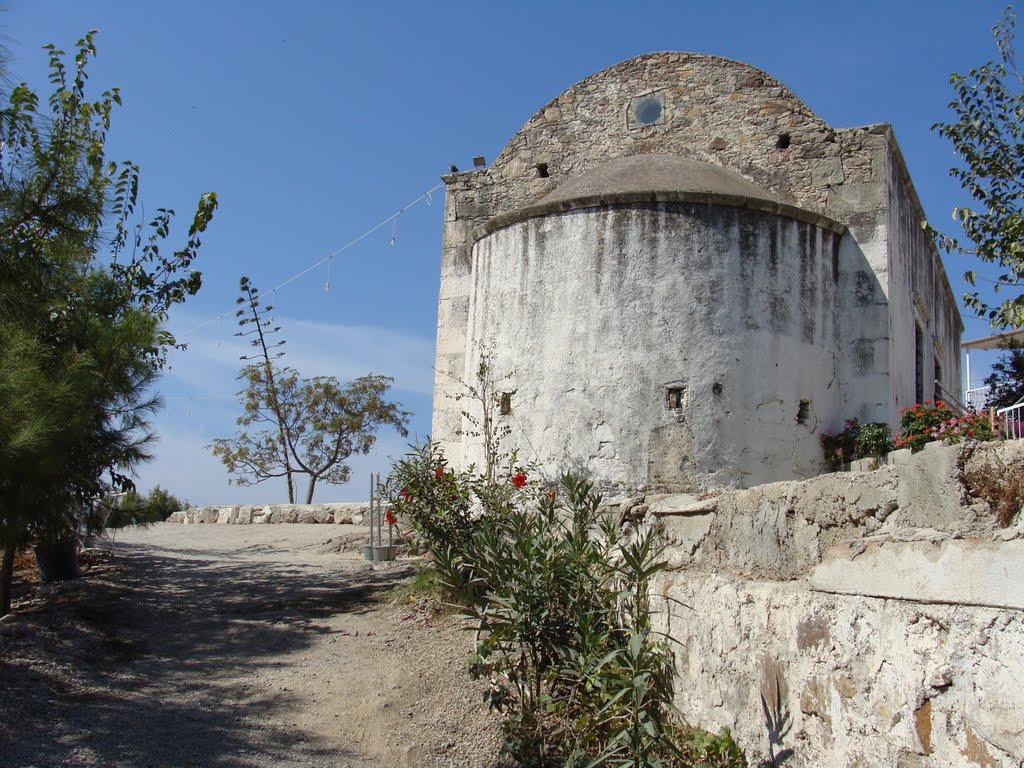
716,110
730,115
602,311
919,294
859,619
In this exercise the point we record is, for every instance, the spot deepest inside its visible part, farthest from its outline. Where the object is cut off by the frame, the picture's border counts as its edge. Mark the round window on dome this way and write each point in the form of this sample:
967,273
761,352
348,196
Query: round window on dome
648,109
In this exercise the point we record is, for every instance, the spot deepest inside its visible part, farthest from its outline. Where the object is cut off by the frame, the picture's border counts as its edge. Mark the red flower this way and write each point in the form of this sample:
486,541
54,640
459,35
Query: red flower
404,493
390,517
439,471
518,479
551,495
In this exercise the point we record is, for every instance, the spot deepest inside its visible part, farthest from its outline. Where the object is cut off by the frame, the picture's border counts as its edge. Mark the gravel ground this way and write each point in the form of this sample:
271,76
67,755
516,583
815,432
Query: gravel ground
249,646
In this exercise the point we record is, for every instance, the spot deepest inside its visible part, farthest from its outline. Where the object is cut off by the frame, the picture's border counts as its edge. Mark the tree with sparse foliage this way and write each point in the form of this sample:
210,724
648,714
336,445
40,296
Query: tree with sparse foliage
324,424
84,288
293,426
987,134
255,322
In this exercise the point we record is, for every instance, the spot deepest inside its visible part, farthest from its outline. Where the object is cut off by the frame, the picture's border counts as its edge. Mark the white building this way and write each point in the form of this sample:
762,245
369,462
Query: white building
686,277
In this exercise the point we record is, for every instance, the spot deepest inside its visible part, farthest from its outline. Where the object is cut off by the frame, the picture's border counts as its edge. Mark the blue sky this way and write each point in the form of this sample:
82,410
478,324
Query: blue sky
315,121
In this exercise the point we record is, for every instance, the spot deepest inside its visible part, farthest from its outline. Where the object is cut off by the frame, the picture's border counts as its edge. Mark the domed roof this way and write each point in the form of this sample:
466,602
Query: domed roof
651,175
653,178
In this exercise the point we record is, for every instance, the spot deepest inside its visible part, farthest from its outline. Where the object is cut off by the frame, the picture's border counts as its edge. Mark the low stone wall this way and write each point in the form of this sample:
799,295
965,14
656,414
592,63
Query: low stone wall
857,619
248,514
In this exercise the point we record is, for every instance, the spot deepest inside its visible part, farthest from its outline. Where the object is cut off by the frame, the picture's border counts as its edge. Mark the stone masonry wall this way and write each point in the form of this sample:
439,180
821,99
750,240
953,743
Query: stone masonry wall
716,110
865,618
857,619
337,513
733,115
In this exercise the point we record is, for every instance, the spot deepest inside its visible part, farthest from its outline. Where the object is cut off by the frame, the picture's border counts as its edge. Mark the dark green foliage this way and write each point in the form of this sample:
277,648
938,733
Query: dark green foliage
562,603
131,508
84,288
856,441
435,501
987,136
1006,381
700,749
873,440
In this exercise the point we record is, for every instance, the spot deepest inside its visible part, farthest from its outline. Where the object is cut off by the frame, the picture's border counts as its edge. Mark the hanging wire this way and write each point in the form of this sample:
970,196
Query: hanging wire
327,287
220,330
307,270
394,227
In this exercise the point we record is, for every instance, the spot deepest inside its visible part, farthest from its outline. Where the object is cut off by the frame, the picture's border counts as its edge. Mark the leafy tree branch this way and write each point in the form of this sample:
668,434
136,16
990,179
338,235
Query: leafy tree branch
987,135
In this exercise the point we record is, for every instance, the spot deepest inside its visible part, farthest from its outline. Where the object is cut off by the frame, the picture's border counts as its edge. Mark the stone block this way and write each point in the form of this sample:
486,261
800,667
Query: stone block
321,515
680,504
686,533
952,571
901,456
864,465
262,515
306,514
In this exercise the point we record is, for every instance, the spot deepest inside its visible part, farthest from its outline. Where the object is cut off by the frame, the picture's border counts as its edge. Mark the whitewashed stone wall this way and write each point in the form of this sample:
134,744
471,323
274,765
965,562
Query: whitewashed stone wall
734,308
857,619
732,116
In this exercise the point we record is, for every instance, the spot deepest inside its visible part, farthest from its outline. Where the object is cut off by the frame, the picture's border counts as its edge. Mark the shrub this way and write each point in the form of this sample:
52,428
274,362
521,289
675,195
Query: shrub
918,424
562,605
971,426
999,483
873,440
927,422
856,441
132,508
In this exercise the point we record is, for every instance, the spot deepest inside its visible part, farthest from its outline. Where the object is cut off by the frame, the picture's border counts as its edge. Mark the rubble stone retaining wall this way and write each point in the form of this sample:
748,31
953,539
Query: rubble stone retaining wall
353,512
870,618
864,618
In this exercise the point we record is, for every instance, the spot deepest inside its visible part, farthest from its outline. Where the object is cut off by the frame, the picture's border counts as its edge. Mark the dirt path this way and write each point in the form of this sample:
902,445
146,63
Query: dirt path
236,646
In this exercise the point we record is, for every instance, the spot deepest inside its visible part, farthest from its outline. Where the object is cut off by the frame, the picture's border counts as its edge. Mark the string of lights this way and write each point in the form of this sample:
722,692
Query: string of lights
392,219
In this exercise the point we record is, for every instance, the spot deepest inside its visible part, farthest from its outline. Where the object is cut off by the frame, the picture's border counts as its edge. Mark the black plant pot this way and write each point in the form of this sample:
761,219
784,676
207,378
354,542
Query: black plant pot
57,561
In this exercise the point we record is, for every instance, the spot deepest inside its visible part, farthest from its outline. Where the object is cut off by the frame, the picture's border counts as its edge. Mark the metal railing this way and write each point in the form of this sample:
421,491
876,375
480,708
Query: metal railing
941,393
976,397
1012,419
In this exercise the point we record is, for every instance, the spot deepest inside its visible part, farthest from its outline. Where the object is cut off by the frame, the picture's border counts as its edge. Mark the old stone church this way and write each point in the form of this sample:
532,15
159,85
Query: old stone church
686,277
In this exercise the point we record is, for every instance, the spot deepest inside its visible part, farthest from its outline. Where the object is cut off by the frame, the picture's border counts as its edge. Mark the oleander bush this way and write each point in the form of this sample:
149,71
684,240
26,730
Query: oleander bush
561,602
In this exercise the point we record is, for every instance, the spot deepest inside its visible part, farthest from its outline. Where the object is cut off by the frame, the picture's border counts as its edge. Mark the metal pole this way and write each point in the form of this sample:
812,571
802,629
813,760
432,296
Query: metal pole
369,515
966,396
380,520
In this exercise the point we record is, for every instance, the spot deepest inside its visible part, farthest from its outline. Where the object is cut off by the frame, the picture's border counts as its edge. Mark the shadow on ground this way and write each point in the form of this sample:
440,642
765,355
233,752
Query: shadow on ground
152,659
